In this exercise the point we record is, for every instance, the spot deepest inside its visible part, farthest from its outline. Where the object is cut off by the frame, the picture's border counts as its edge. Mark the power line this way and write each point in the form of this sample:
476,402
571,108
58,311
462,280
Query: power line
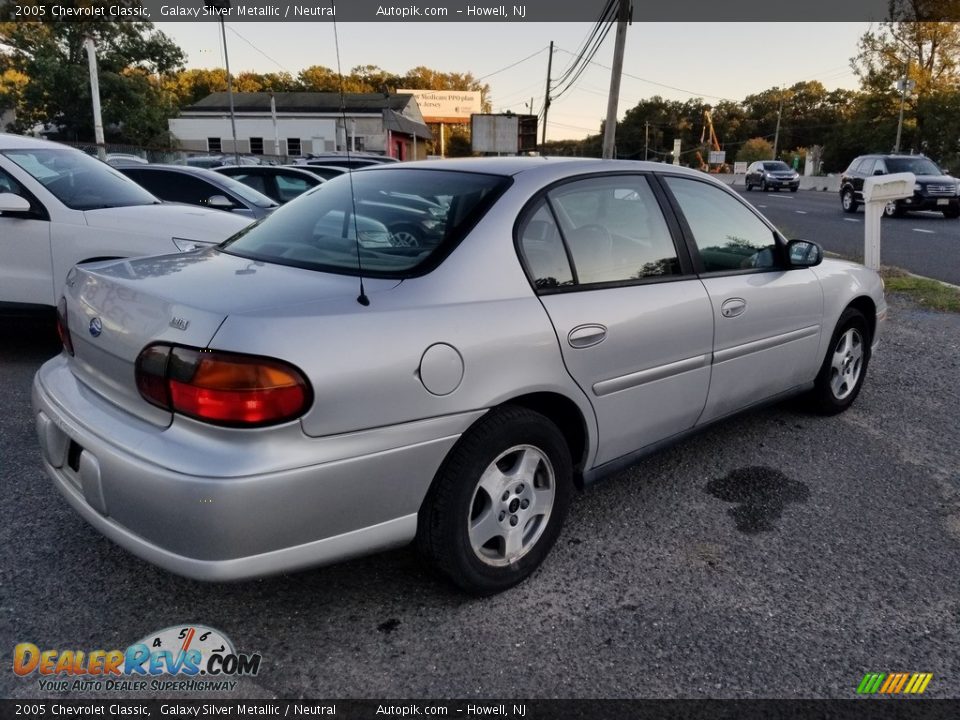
511,65
275,62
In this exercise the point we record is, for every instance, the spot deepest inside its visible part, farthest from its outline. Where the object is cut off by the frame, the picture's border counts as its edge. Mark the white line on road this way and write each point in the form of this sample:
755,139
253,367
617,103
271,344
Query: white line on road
928,232
851,220
800,212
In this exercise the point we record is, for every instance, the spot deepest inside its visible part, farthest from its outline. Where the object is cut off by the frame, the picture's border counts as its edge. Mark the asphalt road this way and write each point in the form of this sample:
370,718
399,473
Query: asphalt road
924,243
777,555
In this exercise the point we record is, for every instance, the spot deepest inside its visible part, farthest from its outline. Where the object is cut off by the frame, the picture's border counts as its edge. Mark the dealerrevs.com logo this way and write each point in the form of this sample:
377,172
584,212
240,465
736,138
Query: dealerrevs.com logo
183,657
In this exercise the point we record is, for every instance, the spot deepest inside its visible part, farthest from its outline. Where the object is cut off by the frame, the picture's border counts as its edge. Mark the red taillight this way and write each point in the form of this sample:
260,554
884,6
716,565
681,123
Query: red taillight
63,329
222,388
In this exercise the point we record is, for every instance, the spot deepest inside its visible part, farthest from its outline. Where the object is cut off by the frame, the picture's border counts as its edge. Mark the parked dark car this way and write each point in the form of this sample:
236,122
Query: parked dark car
198,186
933,190
282,184
772,175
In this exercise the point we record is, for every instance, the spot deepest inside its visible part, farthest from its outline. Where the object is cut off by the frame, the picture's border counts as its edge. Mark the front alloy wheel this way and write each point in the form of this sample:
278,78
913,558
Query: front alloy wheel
497,504
891,209
848,201
841,375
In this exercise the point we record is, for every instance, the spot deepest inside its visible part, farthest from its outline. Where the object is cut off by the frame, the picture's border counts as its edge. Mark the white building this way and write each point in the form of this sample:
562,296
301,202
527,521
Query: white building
304,123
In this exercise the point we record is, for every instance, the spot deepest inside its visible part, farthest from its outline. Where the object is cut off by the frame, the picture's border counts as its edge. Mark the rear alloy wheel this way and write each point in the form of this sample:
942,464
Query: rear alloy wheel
496,506
845,366
848,201
891,209
405,236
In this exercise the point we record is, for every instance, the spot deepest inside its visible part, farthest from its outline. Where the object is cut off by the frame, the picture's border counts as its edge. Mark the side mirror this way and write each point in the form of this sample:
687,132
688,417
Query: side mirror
13,203
220,202
804,253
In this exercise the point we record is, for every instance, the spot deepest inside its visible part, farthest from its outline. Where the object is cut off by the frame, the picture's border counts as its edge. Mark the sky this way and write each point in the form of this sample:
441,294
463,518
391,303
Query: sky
678,61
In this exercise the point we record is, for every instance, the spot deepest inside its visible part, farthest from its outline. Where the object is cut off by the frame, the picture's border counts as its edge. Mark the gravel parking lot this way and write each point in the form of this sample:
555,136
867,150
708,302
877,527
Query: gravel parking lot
776,555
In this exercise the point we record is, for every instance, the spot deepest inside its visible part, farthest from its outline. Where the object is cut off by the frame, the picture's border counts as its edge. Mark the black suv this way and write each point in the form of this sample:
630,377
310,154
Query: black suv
933,190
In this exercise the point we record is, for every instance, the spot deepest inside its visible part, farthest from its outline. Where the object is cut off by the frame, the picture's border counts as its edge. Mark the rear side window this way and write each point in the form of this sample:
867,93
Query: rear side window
728,235
611,229
398,220
289,186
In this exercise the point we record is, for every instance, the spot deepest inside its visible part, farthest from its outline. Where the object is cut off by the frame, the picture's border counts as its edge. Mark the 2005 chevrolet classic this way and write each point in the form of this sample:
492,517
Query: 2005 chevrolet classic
314,389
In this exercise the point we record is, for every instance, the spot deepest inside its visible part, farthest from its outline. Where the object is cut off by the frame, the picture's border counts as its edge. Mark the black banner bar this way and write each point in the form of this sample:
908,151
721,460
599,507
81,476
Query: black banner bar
467,11
859,709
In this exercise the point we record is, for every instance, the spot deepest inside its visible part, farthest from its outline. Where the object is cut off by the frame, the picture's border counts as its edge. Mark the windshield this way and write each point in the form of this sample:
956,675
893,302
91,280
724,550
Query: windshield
392,218
918,166
79,181
776,166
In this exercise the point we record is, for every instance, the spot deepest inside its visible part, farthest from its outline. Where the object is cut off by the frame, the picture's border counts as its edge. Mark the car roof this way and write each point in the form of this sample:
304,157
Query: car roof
9,141
546,165
185,169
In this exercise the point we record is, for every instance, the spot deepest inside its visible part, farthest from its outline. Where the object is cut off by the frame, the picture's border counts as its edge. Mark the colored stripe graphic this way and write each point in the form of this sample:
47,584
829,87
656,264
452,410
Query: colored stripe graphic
894,683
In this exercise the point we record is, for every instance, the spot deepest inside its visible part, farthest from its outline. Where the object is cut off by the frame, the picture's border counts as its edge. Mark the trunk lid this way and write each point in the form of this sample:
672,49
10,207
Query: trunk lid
170,221
116,308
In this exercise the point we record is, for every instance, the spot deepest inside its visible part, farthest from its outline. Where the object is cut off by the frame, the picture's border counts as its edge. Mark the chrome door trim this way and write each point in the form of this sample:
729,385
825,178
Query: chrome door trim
624,382
738,351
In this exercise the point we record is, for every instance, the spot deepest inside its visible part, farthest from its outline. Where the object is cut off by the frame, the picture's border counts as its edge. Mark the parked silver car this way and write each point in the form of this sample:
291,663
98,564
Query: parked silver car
309,391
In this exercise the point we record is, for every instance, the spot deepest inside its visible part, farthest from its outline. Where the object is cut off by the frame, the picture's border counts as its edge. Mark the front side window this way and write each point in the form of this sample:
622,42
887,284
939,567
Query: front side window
79,181
728,235
384,215
614,229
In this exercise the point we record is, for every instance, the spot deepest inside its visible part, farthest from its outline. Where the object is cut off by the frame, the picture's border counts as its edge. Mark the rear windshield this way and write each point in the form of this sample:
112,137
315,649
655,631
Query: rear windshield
918,166
776,166
396,220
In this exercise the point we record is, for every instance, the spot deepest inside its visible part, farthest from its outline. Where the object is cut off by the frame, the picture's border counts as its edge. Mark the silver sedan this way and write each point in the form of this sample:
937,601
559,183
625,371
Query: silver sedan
312,389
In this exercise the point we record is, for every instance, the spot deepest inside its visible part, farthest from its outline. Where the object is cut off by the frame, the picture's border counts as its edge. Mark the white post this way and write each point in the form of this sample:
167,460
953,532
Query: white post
873,213
276,130
877,192
95,92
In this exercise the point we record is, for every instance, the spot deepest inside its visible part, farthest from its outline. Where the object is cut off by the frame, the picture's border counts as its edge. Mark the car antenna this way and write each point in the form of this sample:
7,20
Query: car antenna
362,297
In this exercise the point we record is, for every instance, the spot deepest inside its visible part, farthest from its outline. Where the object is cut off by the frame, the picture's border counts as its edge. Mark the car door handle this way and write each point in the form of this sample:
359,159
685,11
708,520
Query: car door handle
733,307
584,336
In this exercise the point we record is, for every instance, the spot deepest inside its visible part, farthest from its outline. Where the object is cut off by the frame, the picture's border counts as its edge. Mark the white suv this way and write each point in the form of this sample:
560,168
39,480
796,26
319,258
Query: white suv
59,207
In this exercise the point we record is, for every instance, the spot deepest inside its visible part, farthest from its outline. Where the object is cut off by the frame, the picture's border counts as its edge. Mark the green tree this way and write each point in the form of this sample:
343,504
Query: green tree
133,59
757,148
913,43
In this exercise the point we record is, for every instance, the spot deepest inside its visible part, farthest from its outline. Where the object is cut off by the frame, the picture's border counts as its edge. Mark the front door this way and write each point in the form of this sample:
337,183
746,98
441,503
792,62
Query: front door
767,318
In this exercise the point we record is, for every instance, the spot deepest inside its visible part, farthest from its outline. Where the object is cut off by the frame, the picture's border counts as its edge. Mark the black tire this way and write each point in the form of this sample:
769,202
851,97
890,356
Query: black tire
952,212
824,398
403,235
763,186
794,189
749,186
848,201
892,210
456,497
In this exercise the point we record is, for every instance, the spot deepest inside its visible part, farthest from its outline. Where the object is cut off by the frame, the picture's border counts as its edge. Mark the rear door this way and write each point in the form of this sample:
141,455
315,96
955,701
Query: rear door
634,323
767,316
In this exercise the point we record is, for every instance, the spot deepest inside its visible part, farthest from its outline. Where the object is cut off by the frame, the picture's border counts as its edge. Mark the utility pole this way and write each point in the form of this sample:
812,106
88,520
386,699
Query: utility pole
646,140
776,135
546,100
95,93
222,7
613,100
905,86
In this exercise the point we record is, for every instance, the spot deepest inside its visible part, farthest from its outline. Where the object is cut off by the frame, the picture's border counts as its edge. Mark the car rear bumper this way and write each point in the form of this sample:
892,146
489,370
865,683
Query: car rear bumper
360,493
